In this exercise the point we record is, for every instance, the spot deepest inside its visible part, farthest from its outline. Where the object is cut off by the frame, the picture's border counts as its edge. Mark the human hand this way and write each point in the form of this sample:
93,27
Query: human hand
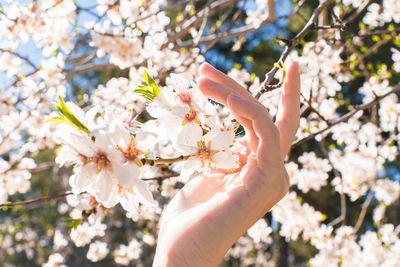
212,211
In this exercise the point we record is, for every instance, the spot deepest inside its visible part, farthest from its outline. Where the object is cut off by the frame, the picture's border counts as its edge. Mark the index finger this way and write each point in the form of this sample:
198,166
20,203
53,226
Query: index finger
220,77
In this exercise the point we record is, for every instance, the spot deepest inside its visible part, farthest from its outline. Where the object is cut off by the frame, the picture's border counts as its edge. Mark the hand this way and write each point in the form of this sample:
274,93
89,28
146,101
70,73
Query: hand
211,212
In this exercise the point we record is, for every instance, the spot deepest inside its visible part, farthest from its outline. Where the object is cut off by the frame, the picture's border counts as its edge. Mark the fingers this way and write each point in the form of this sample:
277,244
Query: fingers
220,77
262,125
288,116
219,93
214,90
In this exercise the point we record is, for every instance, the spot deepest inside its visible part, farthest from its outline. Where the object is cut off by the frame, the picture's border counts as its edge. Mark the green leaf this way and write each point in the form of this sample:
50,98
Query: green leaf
145,94
150,82
68,118
71,223
62,120
145,88
68,114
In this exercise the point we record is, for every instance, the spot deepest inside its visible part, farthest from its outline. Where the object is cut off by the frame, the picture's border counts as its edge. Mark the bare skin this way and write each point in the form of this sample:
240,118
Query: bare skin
211,212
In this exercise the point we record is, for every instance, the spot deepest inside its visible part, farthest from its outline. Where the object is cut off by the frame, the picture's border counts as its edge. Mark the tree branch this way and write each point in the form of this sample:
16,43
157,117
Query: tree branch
90,67
290,44
26,59
237,32
364,209
348,115
30,201
209,10
343,205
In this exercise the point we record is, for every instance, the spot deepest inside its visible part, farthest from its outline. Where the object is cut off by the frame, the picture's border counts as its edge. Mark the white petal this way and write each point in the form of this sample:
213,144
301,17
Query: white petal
225,160
82,178
82,144
129,202
146,140
143,192
190,135
169,120
76,110
112,200
102,139
66,155
192,163
119,135
127,174
90,115
180,110
103,185
222,140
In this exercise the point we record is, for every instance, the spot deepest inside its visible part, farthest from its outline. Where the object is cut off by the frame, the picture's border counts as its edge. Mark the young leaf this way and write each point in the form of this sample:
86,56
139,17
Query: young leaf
150,82
68,118
71,223
145,94
145,88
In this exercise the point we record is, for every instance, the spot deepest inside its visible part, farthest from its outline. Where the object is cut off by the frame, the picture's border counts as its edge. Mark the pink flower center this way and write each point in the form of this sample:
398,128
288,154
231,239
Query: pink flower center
191,115
185,97
204,153
101,161
131,152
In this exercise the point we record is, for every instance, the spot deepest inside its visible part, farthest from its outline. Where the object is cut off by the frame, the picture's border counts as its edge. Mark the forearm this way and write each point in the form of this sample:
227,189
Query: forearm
185,258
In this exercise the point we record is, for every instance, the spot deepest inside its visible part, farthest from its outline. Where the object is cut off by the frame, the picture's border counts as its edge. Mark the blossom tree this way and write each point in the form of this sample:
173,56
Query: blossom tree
102,123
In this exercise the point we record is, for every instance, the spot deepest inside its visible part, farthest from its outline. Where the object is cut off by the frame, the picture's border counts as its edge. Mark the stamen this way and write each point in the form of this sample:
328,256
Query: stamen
186,97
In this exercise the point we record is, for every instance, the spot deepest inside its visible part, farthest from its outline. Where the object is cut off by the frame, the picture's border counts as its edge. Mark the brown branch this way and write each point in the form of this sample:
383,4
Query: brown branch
290,45
209,10
378,32
348,115
363,212
296,11
341,27
343,205
90,67
237,32
30,201
42,167
26,59
308,101
359,10
175,174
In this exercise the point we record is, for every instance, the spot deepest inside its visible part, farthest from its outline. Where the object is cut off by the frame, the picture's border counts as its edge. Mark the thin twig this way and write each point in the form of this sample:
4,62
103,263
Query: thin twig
290,45
175,174
348,115
364,209
343,205
26,59
209,10
30,201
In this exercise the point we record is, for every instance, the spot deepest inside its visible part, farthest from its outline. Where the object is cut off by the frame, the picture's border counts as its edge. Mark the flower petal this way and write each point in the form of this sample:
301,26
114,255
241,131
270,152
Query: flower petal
225,160
127,174
222,140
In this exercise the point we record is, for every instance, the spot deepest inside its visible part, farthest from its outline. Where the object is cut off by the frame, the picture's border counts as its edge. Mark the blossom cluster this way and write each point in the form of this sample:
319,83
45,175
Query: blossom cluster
112,153
127,134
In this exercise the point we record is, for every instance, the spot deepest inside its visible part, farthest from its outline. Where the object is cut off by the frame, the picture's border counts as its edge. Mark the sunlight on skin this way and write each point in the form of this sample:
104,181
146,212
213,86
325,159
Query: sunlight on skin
211,212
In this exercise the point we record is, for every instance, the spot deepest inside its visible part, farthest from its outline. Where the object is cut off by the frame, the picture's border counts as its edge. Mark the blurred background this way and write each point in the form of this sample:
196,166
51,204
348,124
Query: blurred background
343,207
